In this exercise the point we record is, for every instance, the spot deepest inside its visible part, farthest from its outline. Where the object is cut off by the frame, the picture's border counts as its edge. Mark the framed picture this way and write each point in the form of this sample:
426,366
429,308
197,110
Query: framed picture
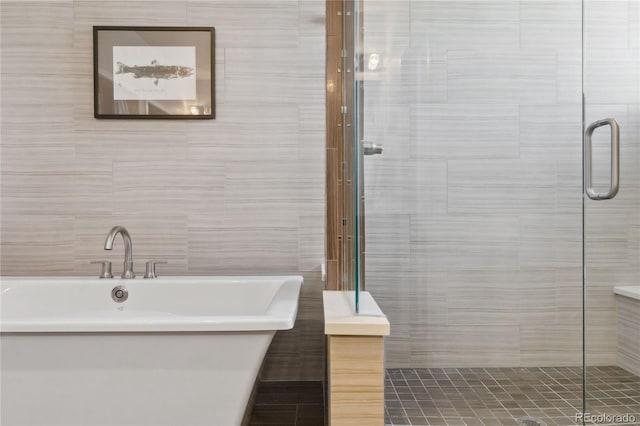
154,72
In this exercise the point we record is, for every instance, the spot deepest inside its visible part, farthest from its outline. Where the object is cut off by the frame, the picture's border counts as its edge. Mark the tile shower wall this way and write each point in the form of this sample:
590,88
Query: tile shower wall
473,232
242,194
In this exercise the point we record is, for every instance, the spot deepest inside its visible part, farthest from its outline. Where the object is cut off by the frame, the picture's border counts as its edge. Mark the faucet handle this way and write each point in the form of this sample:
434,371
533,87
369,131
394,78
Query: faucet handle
150,271
106,268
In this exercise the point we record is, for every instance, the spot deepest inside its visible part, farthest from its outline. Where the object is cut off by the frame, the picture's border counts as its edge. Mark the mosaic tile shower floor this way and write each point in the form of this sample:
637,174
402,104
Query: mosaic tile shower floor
502,396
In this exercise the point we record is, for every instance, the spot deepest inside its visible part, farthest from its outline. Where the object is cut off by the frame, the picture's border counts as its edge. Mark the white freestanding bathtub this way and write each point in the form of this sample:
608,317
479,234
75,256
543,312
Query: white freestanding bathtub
179,351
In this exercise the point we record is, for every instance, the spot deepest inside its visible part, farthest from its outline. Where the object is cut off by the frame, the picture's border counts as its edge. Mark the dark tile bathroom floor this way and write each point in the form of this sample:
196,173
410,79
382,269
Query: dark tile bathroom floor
288,404
503,396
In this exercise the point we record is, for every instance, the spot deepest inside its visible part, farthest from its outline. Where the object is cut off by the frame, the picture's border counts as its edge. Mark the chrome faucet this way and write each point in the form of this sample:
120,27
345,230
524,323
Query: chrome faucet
128,255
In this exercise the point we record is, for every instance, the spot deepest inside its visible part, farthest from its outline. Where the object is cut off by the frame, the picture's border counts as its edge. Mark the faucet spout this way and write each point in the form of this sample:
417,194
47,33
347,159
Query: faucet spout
128,252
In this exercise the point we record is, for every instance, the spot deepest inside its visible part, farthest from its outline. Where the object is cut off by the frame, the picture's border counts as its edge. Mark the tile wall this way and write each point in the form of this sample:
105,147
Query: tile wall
241,194
473,234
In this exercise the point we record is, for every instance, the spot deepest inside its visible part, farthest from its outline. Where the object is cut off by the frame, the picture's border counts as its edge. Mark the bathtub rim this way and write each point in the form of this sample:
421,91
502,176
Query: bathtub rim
279,315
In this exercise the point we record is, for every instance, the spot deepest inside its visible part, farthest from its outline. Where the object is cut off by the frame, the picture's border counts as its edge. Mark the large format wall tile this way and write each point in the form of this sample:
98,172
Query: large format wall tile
464,131
37,244
130,140
388,16
24,119
634,24
501,186
634,241
611,76
405,186
549,241
607,237
407,74
634,123
235,249
36,23
387,246
546,129
311,243
502,76
37,37
282,187
465,24
252,75
553,346
242,23
569,76
606,24
51,187
601,335
169,187
452,345
536,297
547,24
311,132
12,154
463,242
311,21
247,132
482,297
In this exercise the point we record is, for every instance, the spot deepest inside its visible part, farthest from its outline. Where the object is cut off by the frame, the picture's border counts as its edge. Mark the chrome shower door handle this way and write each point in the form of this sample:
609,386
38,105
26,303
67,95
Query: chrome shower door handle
615,160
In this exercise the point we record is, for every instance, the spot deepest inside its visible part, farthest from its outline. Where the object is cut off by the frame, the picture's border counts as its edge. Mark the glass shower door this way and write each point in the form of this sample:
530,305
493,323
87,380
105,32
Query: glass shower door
611,165
491,242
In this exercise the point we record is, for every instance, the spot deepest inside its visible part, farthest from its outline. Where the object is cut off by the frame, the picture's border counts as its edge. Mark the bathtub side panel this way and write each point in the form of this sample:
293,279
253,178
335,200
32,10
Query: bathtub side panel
628,334
129,378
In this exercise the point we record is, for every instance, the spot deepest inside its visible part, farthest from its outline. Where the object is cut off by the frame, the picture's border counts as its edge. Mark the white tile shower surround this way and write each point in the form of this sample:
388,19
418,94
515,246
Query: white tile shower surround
474,211
241,194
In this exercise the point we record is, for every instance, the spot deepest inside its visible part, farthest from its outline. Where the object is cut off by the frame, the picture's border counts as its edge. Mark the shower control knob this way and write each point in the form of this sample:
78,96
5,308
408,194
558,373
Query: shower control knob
370,148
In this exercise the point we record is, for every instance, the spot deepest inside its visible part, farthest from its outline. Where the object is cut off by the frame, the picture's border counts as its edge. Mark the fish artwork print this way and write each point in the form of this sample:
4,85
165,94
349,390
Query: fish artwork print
155,71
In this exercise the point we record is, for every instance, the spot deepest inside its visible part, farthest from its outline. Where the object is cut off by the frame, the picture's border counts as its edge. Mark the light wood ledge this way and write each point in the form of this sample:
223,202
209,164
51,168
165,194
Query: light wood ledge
355,359
340,318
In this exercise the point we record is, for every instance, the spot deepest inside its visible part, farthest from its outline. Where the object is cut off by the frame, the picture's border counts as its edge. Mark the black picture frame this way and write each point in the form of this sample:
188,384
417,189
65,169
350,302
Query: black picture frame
153,72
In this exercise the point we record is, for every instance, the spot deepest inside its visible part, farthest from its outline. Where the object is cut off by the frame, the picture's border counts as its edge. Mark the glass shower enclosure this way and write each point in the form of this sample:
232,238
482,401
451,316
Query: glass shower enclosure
496,163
